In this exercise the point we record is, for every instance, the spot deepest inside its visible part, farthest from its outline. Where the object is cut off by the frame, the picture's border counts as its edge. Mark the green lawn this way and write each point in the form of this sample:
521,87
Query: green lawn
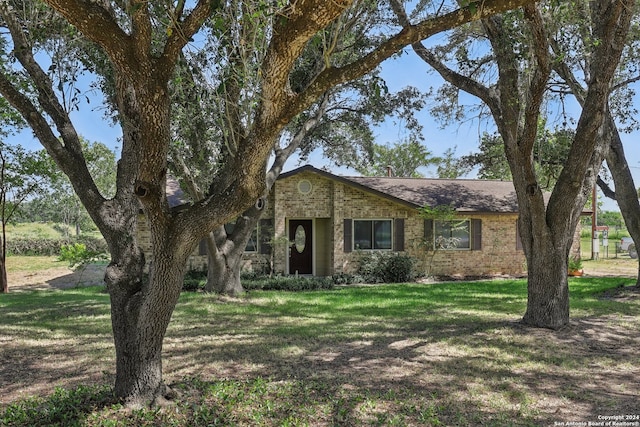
392,355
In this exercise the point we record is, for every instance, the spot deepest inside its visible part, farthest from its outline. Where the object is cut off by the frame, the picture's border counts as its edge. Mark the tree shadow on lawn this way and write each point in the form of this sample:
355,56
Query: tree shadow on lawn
479,371
370,360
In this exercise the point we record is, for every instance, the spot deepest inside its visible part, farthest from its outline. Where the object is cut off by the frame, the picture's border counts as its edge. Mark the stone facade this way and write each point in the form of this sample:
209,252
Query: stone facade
330,203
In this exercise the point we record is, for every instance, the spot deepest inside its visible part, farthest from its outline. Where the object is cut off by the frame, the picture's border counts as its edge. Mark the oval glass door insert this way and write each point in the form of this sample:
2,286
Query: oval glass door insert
300,238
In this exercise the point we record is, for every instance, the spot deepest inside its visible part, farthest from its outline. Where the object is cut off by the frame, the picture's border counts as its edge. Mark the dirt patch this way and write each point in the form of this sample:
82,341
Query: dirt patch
57,278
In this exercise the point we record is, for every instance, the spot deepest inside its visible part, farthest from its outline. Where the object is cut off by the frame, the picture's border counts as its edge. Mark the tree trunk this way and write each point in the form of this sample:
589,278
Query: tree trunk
223,274
626,193
223,267
548,289
140,314
4,284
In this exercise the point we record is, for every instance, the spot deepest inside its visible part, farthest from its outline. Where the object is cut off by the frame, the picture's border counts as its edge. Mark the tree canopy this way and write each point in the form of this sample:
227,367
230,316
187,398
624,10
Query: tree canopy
143,42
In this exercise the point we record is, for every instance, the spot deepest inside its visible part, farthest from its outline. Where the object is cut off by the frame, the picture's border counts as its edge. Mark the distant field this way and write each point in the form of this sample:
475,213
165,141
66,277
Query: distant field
42,230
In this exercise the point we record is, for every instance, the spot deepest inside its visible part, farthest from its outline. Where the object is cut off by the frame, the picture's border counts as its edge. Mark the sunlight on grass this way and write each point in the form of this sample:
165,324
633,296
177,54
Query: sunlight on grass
33,263
407,354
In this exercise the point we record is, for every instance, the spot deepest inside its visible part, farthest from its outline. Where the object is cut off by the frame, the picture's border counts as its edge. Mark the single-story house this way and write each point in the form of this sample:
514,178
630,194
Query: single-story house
316,223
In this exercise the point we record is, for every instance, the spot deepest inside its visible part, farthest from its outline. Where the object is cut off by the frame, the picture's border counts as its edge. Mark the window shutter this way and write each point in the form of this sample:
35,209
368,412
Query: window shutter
265,230
476,233
202,247
518,238
348,235
428,233
398,234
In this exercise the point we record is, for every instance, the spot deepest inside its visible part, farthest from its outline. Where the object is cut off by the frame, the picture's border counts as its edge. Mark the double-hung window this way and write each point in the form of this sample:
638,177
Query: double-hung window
372,234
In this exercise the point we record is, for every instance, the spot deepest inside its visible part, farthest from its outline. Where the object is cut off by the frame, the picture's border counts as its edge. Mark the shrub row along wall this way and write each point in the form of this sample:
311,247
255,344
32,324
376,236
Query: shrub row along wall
50,247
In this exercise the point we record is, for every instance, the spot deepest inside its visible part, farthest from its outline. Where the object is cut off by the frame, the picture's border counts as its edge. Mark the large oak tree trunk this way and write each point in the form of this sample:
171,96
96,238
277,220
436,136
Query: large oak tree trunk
225,252
140,314
224,277
547,285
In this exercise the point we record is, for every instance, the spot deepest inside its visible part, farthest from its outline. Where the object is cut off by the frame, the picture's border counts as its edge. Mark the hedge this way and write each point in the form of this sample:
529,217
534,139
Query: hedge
51,247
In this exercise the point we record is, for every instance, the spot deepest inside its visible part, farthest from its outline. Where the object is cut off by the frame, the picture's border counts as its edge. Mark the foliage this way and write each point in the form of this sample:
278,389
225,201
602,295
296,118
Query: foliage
611,218
196,280
575,263
58,202
77,254
404,159
288,283
39,246
550,152
346,279
449,165
385,267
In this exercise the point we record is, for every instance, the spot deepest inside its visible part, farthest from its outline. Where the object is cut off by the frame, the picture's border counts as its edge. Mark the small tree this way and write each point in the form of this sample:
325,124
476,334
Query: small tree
431,244
20,176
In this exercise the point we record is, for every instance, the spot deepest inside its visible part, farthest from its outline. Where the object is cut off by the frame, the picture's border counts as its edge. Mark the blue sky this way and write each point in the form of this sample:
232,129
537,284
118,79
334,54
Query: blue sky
399,73
410,70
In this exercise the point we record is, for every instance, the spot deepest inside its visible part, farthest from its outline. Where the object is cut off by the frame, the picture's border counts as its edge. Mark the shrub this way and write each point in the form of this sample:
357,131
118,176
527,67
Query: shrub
194,281
397,268
288,283
77,254
385,267
346,279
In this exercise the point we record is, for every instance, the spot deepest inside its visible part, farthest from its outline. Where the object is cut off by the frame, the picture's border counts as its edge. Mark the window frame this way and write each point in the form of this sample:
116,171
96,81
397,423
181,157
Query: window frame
390,221
469,231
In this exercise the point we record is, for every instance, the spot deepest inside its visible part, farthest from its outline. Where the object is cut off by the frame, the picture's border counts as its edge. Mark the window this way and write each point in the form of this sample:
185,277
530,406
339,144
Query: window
452,235
372,234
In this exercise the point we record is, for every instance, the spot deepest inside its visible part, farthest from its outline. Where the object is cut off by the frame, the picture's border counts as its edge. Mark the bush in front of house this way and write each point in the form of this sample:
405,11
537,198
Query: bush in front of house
385,267
195,281
77,254
288,283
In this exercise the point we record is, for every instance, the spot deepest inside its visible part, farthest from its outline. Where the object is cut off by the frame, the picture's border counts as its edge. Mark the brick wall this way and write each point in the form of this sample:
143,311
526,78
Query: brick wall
329,202
337,201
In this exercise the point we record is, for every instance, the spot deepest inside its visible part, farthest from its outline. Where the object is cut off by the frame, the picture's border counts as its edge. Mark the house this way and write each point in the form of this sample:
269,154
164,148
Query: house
317,223
329,219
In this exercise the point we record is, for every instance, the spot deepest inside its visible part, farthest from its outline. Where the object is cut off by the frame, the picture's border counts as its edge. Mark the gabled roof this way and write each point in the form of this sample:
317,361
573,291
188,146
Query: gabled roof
465,195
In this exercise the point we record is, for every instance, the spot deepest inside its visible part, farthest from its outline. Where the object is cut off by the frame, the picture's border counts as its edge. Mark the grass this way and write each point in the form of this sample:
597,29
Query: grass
391,355
33,263
37,230
43,230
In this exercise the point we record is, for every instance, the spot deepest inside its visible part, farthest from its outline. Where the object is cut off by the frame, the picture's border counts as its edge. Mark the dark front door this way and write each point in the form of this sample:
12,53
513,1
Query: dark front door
301,249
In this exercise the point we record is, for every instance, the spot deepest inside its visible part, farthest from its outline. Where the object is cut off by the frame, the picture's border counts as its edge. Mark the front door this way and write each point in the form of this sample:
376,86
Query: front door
301,249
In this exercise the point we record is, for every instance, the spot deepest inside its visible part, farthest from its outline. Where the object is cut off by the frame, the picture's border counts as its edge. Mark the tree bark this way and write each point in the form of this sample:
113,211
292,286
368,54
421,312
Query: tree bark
140,314
626,194
223,271
547,287
4,284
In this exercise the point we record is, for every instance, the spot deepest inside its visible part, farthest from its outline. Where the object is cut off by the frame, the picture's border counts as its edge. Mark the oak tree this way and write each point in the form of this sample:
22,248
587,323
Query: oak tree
143,62
510,75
